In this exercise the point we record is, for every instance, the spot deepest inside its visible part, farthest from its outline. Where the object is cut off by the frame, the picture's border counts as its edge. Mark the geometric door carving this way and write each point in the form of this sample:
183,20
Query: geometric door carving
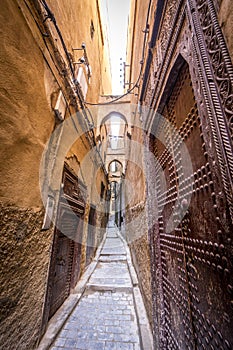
192,268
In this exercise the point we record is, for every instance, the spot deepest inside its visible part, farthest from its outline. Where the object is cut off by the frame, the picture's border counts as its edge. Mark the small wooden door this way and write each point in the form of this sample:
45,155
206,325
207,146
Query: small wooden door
91,235
62,260
67,244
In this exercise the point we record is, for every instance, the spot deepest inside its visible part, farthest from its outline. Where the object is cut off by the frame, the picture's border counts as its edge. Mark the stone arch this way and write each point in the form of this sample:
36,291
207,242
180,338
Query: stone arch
116,161
108,116
114,113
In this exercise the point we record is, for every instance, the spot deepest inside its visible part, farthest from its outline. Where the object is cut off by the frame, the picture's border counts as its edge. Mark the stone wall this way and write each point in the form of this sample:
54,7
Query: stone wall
141,260
25,255
136,236
135,227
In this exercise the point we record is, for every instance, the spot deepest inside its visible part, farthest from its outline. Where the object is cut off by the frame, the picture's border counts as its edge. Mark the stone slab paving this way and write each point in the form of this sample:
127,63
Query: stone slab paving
111,274
102,321
105,317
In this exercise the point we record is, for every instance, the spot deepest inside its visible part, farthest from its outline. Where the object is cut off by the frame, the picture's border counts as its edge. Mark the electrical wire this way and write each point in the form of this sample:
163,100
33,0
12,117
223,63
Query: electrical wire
51,16
141,69
46,60
83,103
53,19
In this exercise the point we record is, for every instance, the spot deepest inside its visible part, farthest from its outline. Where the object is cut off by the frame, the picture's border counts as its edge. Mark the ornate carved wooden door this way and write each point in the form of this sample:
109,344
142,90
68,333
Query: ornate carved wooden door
191,264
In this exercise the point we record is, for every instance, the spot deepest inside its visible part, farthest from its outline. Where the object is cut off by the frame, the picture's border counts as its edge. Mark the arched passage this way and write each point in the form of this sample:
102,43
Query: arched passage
115,166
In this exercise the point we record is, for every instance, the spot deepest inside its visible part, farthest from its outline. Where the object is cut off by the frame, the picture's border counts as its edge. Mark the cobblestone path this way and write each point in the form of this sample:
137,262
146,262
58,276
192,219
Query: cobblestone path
105,317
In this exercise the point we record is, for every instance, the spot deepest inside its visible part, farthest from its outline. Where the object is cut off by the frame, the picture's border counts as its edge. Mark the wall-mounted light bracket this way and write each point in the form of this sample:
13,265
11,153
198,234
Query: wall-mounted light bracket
124,69
83,59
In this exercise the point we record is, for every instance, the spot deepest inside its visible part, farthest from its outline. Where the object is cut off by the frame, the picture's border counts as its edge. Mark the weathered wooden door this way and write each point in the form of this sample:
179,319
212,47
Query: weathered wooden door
63,257
62,270
90,250
66,251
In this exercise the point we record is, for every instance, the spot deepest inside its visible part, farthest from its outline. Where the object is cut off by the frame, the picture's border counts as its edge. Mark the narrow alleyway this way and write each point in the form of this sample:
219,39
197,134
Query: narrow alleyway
110,313
120,109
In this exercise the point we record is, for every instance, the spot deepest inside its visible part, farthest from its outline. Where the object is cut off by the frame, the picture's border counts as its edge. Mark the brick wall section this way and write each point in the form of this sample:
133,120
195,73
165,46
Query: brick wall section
25,252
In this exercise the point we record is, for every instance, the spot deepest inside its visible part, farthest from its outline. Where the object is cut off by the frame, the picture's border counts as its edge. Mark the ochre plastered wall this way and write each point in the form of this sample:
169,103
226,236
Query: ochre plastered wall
26,122
74,20
26,118
30,82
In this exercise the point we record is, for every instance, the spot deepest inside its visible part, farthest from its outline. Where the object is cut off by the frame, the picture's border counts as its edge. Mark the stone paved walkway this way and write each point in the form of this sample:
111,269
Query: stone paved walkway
105,317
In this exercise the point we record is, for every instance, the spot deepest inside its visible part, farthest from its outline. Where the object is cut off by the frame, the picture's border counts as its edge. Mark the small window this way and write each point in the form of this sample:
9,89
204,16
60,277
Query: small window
92,29
102,190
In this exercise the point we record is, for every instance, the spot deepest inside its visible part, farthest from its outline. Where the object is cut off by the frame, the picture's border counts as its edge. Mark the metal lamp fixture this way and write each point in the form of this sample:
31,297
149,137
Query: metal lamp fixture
84,58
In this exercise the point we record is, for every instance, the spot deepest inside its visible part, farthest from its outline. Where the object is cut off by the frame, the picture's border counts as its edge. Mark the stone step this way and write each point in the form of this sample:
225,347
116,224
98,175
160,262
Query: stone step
109,288
112,258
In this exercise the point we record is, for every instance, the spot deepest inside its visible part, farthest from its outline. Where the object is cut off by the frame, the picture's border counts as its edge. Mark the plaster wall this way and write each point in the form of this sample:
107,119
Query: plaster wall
31,79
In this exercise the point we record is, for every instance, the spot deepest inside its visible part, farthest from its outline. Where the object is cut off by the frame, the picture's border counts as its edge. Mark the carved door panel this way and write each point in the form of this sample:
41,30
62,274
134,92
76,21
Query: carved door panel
195,304
176,329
